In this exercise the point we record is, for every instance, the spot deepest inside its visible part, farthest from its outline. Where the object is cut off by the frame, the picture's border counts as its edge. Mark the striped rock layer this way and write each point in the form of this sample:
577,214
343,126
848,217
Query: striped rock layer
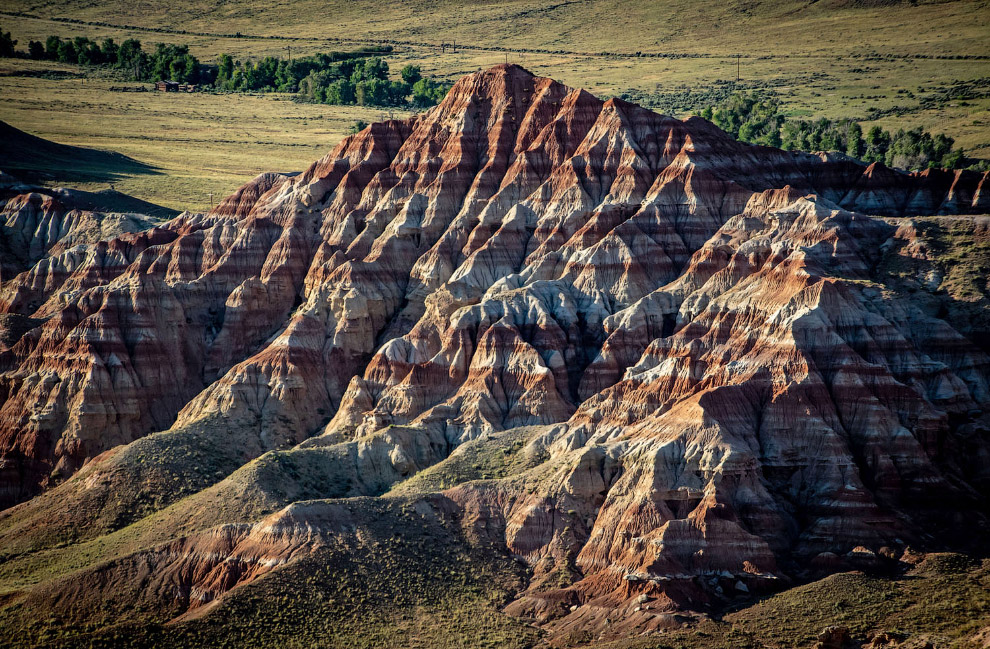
725,385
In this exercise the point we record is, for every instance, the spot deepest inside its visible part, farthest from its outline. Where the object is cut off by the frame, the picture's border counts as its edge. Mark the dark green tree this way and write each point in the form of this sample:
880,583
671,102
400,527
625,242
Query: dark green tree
184,68
854,139
52,43
793,135
109,50
341,92
397,92
411,74
748,118
67,52
372,92
89,52
225,72
7,44
132,59
427,92
373,68
36,50
185,65
285,78
876,143
954,159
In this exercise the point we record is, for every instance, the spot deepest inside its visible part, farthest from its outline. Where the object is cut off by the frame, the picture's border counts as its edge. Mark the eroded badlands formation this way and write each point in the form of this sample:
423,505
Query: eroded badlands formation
727,392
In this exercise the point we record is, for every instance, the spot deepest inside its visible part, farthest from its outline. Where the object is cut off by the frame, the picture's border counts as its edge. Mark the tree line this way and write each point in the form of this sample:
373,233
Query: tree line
332,78
757,120
165,62
340,78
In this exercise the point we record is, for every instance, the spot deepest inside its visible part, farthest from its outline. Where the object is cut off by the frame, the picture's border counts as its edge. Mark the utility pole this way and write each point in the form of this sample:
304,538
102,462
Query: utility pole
289,47
737,68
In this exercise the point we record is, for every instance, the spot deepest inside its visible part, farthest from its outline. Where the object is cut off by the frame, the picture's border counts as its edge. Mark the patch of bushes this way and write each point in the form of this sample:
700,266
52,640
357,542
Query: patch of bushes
7,44
366,83
752,118
272,74
748,118
166,62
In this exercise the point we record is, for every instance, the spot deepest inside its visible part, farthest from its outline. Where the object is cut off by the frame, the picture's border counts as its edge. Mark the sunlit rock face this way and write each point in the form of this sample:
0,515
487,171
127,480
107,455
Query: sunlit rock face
727,386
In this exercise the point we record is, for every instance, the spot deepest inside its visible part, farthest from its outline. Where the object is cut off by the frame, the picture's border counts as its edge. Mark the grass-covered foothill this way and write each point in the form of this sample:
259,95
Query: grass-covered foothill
489,457
958,264
942,264
401,572
944,600
408,579
402,575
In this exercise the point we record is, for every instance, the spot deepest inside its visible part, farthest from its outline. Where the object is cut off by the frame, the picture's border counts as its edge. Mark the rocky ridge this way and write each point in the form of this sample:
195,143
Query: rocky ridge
723,388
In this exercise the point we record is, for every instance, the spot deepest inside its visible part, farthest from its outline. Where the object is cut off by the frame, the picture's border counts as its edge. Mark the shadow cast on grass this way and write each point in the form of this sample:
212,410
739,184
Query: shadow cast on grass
38,160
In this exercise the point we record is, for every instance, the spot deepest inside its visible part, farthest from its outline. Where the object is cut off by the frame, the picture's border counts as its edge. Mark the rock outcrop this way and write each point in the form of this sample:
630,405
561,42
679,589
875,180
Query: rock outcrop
728,385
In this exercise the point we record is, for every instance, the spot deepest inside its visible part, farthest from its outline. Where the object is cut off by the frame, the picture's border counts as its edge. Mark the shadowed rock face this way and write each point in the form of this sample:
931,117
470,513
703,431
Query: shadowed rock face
727,386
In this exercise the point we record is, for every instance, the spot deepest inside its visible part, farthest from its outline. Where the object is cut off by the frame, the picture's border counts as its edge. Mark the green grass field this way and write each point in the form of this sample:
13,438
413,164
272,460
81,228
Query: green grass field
194,144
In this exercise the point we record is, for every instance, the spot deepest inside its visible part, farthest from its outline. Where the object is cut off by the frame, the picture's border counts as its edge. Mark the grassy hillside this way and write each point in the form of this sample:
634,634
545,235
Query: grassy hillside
385,586
624,26
388,586
944,600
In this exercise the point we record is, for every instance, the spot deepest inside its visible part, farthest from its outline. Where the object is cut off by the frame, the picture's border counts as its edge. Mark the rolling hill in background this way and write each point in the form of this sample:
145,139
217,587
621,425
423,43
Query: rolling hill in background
620,26
529,368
